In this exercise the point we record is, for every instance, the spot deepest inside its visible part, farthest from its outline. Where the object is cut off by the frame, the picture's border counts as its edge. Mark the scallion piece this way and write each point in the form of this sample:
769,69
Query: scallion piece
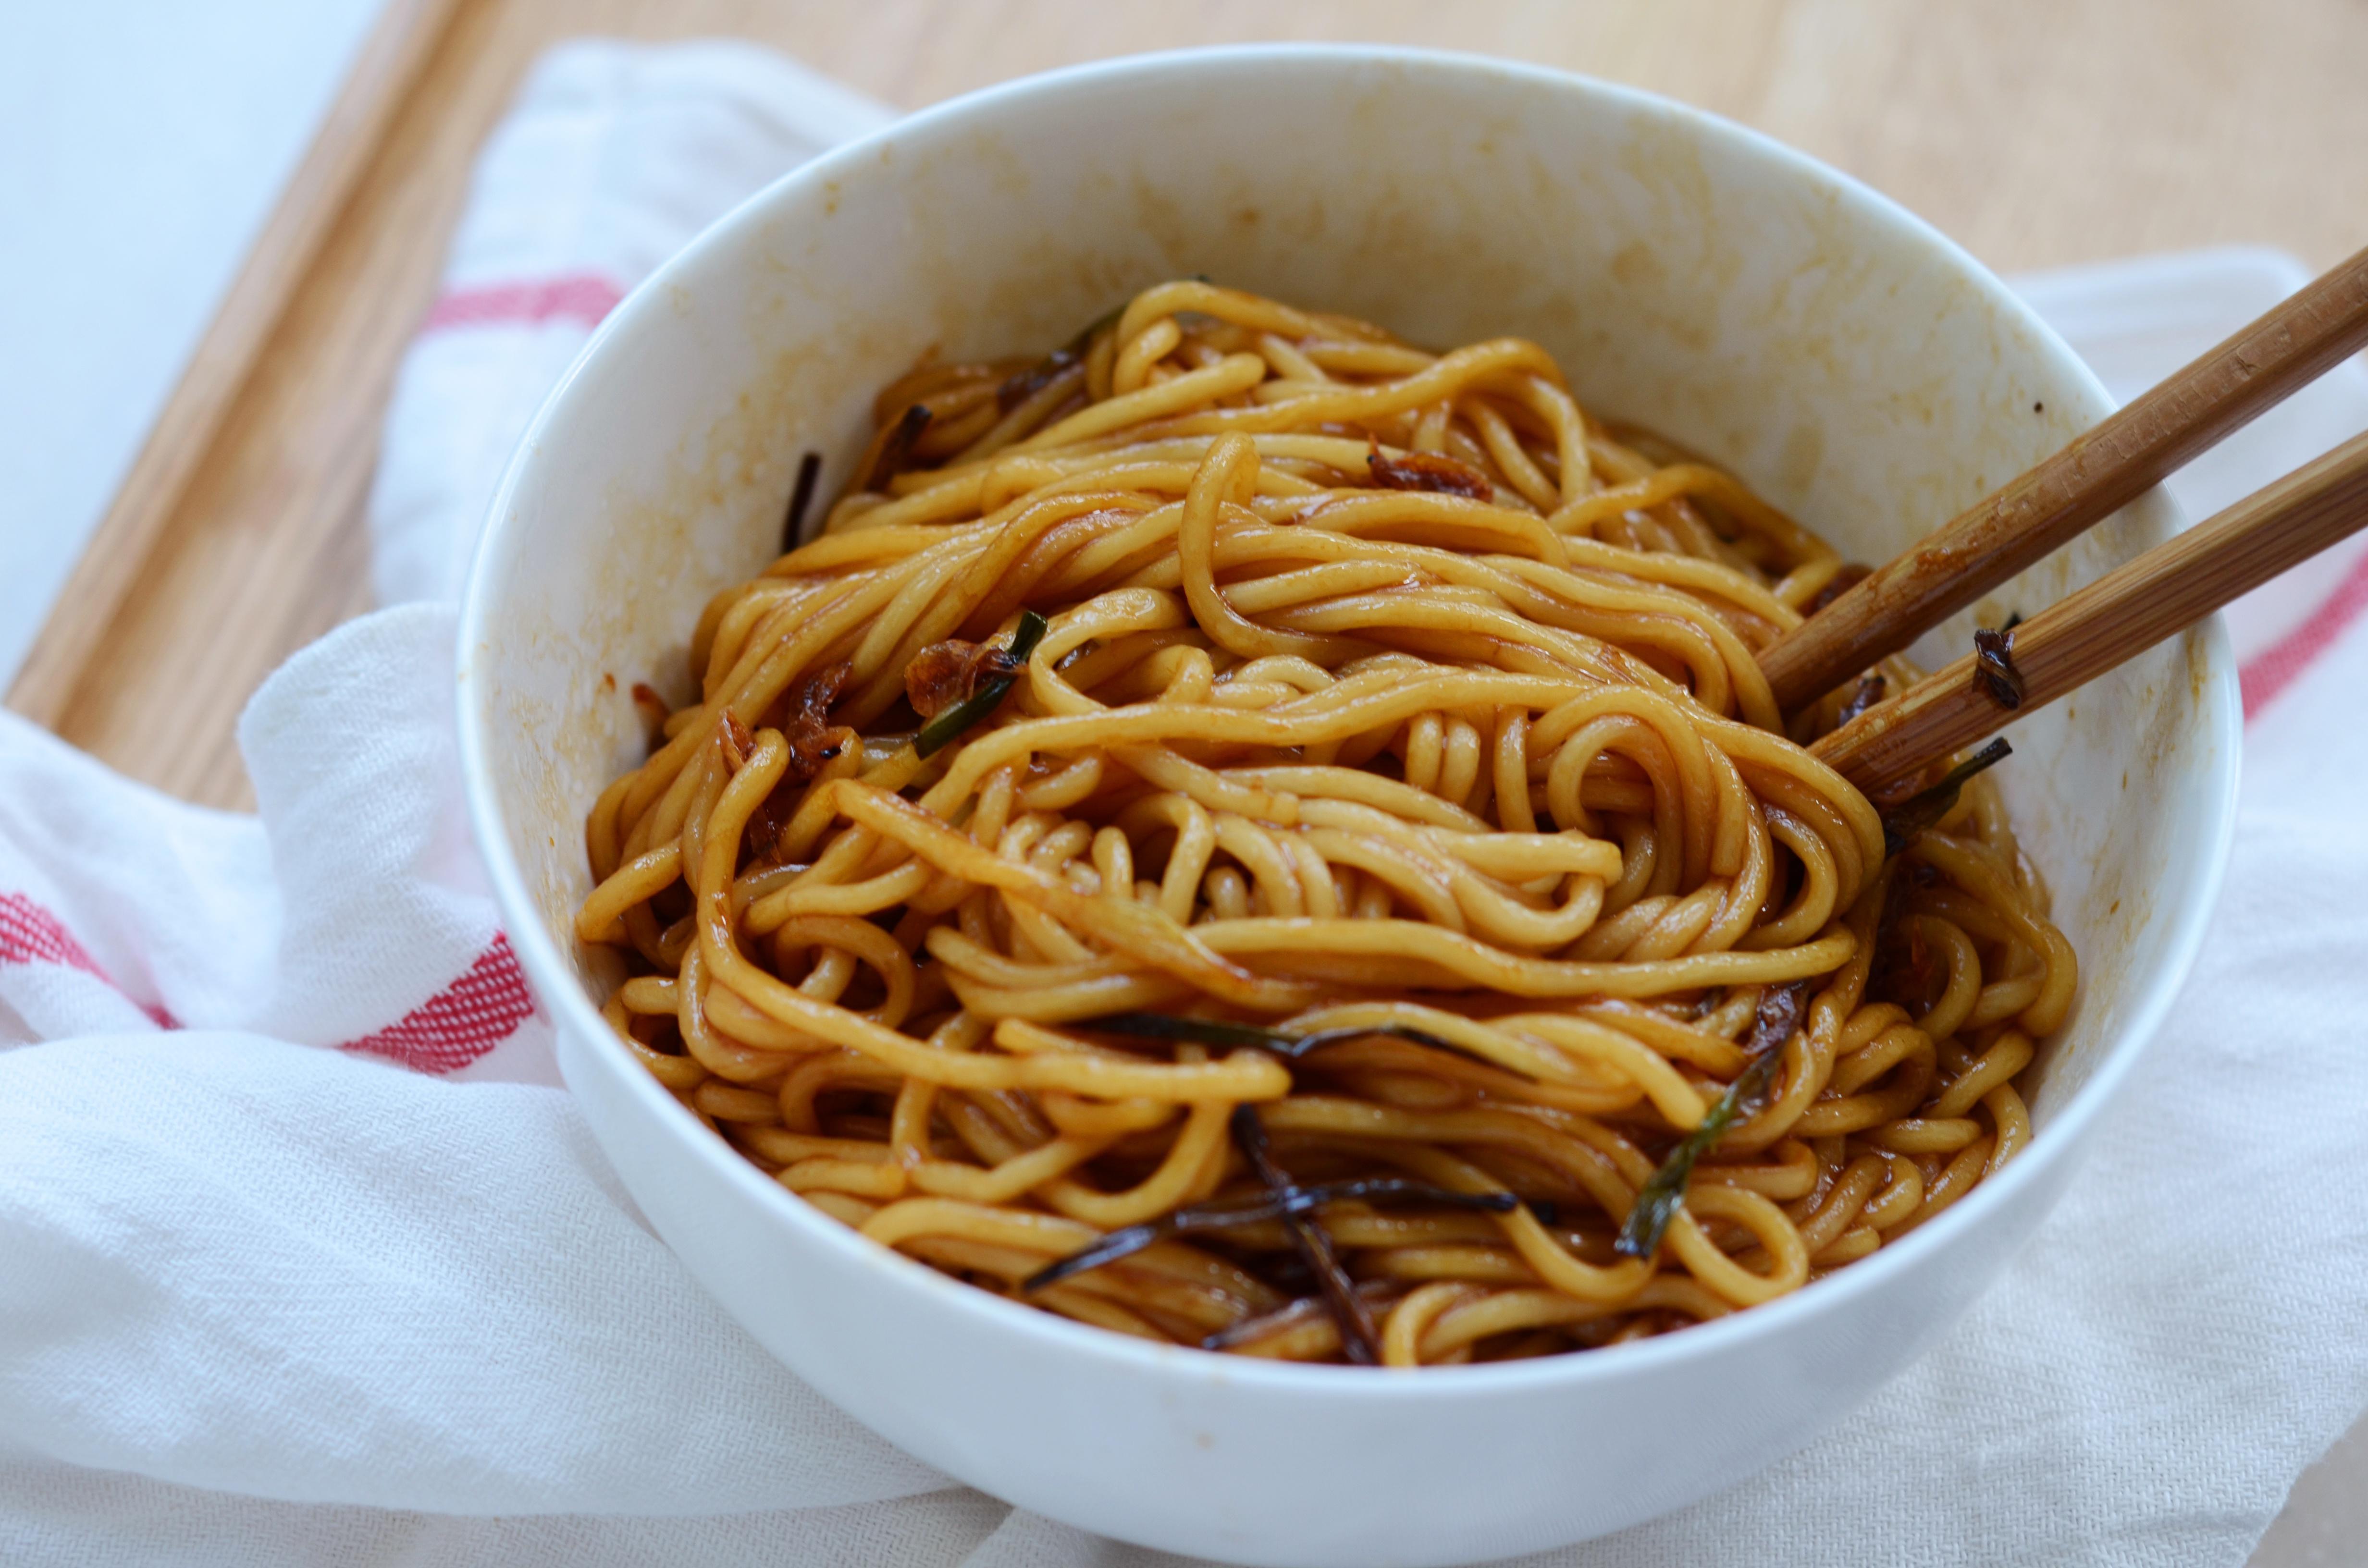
1361,1340
1273,1206
800,497
941,731
1198,1031
1921,810
1657,1199
1994,672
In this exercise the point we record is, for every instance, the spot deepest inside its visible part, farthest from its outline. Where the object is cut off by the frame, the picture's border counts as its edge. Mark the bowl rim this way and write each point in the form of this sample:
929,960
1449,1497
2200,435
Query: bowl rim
557,984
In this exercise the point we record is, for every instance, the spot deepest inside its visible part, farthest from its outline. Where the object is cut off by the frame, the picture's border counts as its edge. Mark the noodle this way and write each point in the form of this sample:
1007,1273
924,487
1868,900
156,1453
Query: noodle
1365,902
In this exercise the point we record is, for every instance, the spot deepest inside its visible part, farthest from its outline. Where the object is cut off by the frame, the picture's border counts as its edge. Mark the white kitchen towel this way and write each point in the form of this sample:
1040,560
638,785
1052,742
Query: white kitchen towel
613,158
283,1281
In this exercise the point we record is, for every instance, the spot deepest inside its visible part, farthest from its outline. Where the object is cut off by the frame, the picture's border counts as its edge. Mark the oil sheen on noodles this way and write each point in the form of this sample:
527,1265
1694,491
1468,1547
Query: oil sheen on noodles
1382,918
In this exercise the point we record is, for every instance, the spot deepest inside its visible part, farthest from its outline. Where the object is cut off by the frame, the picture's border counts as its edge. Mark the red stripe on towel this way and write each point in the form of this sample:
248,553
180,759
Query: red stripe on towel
583,297
462,1022
2280,664
30,933
448,1031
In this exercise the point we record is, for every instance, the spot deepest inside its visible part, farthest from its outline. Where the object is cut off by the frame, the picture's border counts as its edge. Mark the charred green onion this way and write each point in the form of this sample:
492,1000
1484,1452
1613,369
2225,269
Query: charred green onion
1361,1341
1994,670
1656,1202
1903,822
1022,385
938,732
1376,1294
800,497
1217,1032
896,446
1273,1206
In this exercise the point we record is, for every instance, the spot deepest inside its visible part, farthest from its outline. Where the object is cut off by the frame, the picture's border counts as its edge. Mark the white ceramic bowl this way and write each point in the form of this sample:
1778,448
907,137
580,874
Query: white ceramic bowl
1847,360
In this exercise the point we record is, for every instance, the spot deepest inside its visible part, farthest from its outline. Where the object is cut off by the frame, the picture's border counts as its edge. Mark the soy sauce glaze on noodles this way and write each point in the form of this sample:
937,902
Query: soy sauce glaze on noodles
1358,901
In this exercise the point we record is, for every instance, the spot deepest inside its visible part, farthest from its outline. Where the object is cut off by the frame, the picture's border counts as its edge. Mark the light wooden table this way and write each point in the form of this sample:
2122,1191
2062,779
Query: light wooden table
2036,133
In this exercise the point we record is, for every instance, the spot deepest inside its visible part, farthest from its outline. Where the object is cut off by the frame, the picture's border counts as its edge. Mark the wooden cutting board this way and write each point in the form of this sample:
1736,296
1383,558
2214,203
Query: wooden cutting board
2036,132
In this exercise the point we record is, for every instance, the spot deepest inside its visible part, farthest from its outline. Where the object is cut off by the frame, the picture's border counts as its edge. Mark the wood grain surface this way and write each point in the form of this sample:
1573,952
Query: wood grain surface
2035,132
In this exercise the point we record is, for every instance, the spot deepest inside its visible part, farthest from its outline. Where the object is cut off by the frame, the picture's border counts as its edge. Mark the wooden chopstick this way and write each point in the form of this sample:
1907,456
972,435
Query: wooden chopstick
2079,487
2119,616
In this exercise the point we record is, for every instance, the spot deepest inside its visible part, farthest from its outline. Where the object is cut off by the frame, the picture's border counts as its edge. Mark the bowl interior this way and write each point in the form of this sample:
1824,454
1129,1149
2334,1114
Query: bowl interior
1699,280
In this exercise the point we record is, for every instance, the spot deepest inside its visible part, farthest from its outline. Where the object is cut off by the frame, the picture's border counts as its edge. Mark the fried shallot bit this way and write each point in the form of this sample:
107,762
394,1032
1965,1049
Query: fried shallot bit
812,740
739,741
1434,471
944,674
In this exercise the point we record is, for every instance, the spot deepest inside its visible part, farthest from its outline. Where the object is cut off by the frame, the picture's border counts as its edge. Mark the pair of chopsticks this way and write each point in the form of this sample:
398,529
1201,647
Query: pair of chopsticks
2130,609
